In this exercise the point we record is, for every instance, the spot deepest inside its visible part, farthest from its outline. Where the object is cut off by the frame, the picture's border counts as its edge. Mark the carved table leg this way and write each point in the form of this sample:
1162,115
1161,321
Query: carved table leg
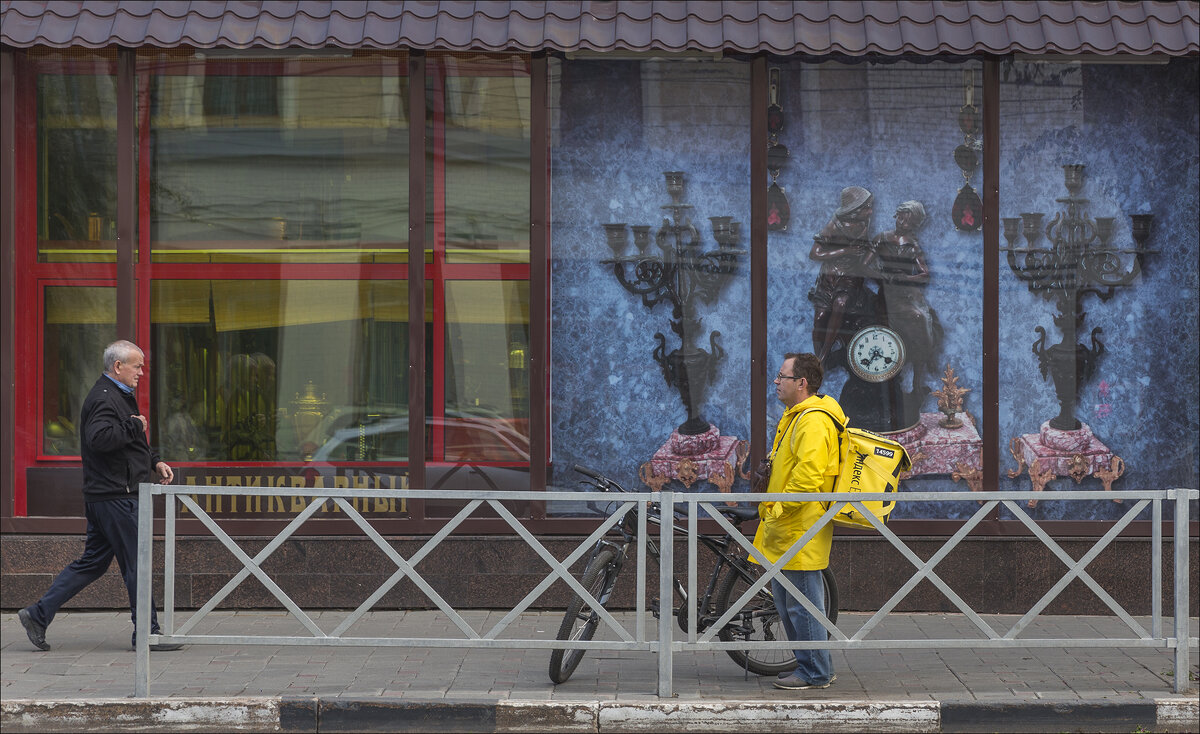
1014,448
1040,479
1111,474
724,481
913,460
743,455
971,474
650,479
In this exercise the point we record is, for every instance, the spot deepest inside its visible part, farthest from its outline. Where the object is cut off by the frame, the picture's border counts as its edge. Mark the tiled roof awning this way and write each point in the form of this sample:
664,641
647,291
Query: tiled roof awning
850,27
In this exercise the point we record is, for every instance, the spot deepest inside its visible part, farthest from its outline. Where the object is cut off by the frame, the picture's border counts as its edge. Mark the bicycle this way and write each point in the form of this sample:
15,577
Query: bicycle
732,574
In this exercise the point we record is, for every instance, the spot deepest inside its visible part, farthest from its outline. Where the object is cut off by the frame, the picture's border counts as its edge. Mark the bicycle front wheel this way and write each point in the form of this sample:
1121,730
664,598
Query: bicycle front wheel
581,620
759,621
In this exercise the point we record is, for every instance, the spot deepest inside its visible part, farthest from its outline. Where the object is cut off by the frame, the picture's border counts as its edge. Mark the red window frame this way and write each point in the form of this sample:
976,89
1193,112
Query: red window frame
32,276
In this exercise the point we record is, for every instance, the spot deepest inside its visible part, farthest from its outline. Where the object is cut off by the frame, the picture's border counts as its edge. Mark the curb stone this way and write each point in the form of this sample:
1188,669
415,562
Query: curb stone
336,714
1048,716
1178,714
145,714
770,716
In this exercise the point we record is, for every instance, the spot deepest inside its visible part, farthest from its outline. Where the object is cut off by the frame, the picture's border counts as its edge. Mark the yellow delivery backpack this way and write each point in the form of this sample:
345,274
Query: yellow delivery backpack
869,463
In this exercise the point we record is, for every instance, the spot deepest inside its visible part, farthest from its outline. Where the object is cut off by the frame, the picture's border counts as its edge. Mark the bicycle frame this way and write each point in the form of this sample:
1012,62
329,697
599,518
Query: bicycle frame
719,545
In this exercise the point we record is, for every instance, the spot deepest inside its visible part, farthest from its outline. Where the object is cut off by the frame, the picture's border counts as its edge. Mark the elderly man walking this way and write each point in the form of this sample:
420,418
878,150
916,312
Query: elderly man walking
116,458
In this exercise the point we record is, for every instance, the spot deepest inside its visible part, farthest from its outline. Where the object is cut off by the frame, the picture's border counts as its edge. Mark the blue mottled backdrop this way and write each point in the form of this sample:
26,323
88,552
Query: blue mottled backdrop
893,129
1137,131
619,126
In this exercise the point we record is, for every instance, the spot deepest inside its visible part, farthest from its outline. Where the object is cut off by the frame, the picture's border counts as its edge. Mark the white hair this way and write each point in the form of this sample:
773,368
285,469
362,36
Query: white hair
119,351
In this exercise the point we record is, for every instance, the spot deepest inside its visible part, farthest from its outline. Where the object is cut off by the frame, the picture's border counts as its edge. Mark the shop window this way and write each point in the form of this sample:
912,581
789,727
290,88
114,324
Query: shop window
1098,280
479,158
875,263
650,272
274,304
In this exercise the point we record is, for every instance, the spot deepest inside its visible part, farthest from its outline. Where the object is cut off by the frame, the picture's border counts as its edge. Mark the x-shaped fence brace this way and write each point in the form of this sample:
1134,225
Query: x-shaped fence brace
407,567
1075,569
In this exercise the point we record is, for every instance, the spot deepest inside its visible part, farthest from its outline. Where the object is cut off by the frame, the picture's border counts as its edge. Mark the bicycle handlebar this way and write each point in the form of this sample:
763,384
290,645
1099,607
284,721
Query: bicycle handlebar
585,471
737,514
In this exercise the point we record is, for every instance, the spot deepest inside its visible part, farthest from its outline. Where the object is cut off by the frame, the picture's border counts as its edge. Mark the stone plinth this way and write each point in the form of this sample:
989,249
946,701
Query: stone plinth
1051,453
705,456
935,449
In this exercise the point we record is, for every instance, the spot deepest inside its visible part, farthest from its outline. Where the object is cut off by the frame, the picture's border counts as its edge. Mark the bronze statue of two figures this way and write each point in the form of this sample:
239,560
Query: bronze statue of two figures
870,315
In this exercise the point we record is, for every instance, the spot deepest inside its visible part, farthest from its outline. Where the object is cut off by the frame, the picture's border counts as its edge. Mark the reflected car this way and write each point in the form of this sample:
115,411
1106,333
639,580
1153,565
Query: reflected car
472,446
364,435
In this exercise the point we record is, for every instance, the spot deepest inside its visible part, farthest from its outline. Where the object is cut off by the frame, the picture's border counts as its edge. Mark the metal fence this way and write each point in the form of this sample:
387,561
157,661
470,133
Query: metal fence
688,508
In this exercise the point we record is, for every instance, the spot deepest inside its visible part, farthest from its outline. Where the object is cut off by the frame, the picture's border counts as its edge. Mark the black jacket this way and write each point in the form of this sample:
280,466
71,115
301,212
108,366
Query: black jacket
116,455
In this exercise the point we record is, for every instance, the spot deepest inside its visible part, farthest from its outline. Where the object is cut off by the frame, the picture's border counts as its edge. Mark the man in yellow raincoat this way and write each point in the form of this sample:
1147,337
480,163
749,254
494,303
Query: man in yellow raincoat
805,459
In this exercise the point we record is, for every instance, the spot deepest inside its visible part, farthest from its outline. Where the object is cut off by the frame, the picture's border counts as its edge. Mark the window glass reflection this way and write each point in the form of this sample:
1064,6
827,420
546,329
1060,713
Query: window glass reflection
276,370
486,114
296,160
487,374
77,165
79,322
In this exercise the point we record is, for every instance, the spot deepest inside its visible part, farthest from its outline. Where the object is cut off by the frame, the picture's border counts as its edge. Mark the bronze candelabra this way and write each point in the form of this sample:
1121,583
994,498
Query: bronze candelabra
683,275
1079,259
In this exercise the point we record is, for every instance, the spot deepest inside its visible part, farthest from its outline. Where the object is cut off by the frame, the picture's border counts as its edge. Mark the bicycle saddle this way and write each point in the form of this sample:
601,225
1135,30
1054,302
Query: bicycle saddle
740,514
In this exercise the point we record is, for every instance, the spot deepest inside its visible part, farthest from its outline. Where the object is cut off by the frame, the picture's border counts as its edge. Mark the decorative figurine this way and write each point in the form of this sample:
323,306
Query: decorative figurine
307,411
950,399
778,209
840,297
968,209
903,275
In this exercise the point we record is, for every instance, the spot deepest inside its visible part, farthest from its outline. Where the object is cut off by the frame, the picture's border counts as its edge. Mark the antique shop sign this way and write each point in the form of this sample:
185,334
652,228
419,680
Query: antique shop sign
383,478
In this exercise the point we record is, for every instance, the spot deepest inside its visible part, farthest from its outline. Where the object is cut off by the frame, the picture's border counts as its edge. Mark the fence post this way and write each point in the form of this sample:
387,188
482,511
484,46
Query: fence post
145,567
1182,584
666,593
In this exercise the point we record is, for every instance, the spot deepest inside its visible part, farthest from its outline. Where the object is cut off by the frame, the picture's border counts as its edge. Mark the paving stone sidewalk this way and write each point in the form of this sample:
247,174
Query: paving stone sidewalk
91,662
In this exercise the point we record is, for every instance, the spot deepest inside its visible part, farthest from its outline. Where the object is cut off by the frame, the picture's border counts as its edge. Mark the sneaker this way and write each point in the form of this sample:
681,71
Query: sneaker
36,632
794,682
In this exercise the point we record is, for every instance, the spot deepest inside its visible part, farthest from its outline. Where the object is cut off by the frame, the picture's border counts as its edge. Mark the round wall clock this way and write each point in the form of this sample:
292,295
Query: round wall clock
875,354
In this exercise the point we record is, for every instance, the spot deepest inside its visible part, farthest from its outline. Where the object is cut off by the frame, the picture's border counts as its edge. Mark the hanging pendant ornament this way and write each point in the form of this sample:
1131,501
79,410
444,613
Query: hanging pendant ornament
779,212
967,211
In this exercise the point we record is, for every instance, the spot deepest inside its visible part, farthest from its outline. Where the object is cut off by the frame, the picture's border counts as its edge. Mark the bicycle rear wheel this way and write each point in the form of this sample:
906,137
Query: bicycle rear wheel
581,620
759,621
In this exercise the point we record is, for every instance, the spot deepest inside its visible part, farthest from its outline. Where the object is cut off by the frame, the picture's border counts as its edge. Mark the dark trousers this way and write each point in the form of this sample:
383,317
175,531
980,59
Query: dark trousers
111,531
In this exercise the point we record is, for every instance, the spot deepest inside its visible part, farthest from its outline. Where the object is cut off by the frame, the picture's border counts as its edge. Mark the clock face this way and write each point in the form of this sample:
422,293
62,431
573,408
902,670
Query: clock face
875,354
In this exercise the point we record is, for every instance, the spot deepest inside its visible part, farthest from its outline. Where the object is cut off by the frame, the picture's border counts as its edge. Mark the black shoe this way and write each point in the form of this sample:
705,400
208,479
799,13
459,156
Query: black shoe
156,646
36,632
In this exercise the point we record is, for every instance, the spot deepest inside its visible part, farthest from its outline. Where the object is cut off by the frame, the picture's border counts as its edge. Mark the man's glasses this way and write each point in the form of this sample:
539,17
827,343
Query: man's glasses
787,377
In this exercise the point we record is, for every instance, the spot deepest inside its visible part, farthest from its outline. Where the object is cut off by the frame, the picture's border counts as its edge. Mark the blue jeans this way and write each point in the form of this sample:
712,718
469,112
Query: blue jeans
814,666
111,532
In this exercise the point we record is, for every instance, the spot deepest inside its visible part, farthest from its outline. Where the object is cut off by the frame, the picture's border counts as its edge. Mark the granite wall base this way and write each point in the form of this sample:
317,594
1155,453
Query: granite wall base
993,575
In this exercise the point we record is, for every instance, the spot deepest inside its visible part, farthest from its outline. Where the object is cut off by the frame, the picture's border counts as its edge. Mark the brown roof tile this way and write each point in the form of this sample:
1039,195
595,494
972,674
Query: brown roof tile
853,27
